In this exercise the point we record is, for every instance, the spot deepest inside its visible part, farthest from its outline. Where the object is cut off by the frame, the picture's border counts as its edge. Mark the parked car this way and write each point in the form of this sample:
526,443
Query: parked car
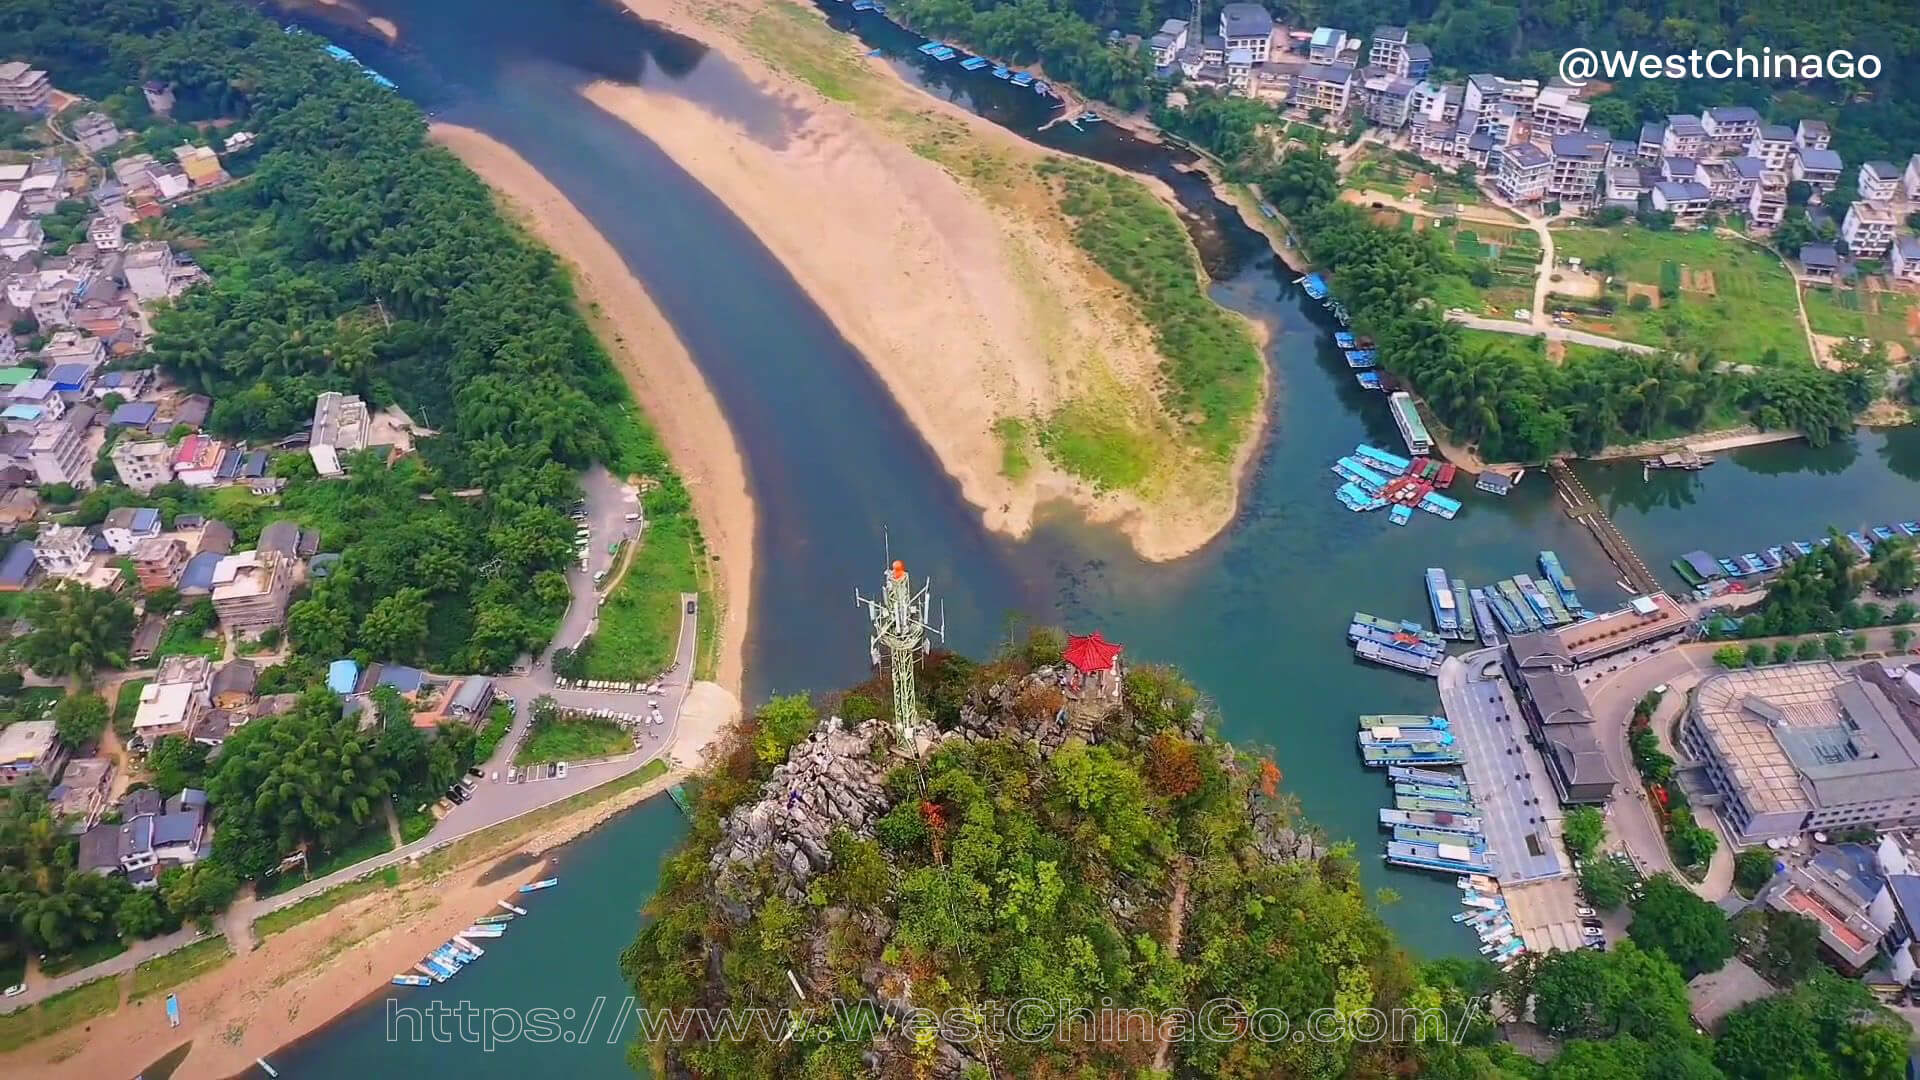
690,604
476,771
1593,932
1584,912
16,989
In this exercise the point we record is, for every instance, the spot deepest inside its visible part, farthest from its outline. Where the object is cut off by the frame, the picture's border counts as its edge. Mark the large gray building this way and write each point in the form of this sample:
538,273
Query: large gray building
1559,720
1800,747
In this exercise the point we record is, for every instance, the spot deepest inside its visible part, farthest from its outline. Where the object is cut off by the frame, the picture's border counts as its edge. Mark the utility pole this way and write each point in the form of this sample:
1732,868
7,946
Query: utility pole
902,627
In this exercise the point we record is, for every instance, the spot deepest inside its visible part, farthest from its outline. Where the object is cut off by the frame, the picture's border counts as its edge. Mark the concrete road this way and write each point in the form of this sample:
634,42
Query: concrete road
1552,333
608,504
1509,781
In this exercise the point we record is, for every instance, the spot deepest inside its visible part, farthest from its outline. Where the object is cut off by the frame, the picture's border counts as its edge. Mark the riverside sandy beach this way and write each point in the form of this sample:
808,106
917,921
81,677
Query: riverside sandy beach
669,388
931,247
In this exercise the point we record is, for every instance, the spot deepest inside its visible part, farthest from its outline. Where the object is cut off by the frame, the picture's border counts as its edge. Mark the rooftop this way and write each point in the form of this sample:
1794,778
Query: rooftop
25,741
1714,994
1819,160
1819,255
1776,133
1800,736
1245,20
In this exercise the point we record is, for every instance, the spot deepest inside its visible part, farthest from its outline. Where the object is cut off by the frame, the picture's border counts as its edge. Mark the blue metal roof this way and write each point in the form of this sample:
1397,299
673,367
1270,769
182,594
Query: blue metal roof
343,676
21,412
402,678
199,571
145,518
134,414
68,376
17,566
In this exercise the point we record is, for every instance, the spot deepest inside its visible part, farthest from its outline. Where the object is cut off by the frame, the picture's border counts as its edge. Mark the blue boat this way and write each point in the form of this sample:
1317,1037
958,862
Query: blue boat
975,63
1911,528
1732,569
1557,577
1021,78
173,1011
382,81
1369,380
1376,458
1800,548
1446,615
1774,557
1400,515
339,53
1345,339
536,886
1314,285
1002,73
929,47
863,5
1882,534
1861,545
1439,505
945,52
1360,358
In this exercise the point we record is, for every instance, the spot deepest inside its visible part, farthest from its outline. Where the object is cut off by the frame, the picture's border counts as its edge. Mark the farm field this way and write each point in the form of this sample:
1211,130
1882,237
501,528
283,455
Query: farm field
1846,311
1707,295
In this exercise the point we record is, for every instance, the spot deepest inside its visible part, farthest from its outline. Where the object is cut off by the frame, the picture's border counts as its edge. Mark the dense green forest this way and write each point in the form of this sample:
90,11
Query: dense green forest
1007,866
355,256
351,255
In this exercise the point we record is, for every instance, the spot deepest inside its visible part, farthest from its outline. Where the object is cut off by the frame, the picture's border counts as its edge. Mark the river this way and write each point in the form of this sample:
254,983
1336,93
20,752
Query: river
1255,619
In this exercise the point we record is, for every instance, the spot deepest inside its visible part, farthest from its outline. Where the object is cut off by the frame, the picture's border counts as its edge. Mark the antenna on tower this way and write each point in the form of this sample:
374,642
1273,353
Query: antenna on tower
901,628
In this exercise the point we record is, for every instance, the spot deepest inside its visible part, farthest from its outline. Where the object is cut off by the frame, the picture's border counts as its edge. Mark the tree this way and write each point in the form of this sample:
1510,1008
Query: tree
176,762
1825,1027
76,631
1789,949
1752,869
1783,652
1895,568
1902,637
1731,657
80,718
198,892
1583,828
1757,654
1605,884
1689,931
396,627
139,915
1808,649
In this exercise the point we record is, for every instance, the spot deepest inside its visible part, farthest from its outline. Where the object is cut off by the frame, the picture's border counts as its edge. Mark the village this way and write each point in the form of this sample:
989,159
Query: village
1497,160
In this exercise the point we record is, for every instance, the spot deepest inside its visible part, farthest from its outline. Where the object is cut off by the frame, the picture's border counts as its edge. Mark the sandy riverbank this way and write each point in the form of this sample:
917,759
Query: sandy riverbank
665,381
943,258
298,980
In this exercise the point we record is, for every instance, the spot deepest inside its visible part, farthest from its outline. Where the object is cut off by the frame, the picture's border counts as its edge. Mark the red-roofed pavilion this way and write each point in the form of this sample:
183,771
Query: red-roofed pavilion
1091,652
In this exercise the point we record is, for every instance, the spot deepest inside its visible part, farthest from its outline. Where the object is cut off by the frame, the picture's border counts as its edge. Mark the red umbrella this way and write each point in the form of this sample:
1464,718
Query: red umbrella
1091,652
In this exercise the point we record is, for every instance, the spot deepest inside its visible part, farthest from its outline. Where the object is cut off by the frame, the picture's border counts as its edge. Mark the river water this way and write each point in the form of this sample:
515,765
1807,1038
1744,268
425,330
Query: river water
1256,619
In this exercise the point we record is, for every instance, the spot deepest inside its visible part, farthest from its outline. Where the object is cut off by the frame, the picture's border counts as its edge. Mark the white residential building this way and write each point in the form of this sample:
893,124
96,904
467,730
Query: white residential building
1328,87
1579,162
1879,181
1387,49
1686,200
1249,27
1867,229
64,550
95,132
1767,205
1818,168
1812,135
341,425
1522,173
105,232
24,89
1326,45
142,465
1653,142
125,526
1913,177
58,453
1166,44
1730,128
1773,144
1557,112
1904,261
1686,136
173,702
152,272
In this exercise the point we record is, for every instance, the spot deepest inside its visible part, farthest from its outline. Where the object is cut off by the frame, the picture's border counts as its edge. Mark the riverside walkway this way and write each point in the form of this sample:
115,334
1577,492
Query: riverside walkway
1584,508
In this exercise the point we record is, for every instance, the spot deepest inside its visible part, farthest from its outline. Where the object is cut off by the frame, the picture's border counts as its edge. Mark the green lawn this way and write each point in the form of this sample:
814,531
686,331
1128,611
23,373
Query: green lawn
180,640
274,922
572,737
1842,311
165,972
1512,346
84,956
640,622
499,722
374,841
59,1012
1751,309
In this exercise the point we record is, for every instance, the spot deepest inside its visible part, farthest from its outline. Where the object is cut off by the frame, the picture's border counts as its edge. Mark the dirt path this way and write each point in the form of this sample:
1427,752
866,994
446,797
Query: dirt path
1176,923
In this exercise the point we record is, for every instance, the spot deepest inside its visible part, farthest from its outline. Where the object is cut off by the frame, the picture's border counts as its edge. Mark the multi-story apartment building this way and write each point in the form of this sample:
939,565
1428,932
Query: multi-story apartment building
1653,141
142,465
58,453
1249,27
1772,144
250,589
1730,128
1387,49
1686,136
1557,112
1868,229
1166,44
1879,181
1904,260
1812,135
64,550
1816,167
1326,45
24,89
1388,98
1328,87
1522,172
1686,200
1579,162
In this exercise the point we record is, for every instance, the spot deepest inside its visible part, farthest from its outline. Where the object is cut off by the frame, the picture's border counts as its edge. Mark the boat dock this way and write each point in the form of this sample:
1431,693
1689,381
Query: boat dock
1431,819
1416,775
1584,508
1397,658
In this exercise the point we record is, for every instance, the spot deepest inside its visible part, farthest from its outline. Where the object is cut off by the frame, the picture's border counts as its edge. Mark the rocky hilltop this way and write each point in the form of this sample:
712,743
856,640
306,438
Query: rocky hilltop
1084,845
